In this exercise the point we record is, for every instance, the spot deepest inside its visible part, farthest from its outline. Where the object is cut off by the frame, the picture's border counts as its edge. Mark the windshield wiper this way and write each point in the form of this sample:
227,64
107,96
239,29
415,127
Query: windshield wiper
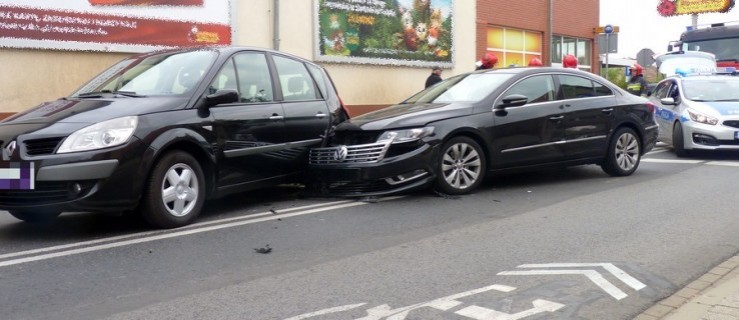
726,100
100,94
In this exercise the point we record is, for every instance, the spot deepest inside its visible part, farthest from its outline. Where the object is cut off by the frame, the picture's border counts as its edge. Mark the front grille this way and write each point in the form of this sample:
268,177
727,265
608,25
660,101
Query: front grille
45,193
363,153
39,147
350,138
732,123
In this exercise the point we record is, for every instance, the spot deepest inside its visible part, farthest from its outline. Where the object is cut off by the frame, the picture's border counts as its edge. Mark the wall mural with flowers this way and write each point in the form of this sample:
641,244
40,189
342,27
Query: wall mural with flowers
668,8
393,32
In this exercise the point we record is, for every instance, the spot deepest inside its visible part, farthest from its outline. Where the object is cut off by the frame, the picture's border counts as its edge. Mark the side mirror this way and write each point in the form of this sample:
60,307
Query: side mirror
669,48
668,101
221,97
514,100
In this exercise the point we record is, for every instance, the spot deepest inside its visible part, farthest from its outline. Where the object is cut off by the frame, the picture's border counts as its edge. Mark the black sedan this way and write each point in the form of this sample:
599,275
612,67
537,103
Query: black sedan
163,131
451,135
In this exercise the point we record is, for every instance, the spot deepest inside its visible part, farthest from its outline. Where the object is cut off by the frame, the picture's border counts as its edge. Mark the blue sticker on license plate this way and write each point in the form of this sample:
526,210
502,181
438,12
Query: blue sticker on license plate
736,135
16,176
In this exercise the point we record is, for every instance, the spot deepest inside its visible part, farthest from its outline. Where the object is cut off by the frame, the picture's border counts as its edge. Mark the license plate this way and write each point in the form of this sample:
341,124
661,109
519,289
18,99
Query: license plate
16,176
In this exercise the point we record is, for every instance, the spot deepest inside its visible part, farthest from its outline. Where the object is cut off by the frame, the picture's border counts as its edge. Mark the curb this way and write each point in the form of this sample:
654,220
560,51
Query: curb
699,299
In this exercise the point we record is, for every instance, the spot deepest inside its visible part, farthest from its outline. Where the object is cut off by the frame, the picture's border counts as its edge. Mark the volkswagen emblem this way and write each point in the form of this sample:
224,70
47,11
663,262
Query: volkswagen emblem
10,148
340,153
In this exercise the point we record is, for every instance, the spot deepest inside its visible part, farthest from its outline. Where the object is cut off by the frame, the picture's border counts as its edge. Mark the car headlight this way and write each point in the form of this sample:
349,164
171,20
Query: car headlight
400,136
702,118
100,135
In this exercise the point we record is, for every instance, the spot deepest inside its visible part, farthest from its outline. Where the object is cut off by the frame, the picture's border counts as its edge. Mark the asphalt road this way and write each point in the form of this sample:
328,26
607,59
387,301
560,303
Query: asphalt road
560,244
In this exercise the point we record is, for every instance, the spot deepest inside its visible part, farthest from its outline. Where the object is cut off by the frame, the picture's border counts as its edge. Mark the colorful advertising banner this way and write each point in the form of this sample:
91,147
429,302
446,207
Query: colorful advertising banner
668,8
114,25
392,32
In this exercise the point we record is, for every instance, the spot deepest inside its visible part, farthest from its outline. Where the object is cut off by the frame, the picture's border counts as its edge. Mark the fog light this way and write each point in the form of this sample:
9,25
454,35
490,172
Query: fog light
705,139
408,176
76,188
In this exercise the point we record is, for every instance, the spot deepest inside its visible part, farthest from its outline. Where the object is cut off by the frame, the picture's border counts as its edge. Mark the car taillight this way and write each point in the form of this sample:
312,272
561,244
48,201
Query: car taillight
651,107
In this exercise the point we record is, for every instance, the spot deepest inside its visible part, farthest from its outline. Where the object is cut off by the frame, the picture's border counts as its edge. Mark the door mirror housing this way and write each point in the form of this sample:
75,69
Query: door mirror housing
669,101
514,100
220,97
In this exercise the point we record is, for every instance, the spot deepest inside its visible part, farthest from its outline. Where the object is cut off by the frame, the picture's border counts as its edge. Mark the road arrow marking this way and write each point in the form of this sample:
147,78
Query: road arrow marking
593,275
610,267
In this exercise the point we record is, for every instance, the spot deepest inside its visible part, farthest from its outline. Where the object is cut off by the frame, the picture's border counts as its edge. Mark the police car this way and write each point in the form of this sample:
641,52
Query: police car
697,108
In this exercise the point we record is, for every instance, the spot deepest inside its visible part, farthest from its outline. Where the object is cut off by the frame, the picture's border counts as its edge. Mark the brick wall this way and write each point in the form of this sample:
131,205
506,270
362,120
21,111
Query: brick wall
575,18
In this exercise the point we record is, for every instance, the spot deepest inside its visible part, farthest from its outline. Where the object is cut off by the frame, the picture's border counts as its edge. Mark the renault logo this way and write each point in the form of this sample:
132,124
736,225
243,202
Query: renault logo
10,148
340,153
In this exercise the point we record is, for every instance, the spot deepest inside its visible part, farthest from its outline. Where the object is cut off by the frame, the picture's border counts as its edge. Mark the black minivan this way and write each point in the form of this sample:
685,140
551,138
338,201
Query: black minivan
164,131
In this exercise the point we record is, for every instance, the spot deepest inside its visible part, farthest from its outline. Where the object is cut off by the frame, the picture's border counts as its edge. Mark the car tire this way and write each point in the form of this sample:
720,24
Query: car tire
461,166
678,140
175,191
35,216
623,154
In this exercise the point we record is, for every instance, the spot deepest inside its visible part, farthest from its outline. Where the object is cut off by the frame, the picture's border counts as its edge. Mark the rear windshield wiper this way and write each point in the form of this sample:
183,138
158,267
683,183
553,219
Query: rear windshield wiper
100,94
726,100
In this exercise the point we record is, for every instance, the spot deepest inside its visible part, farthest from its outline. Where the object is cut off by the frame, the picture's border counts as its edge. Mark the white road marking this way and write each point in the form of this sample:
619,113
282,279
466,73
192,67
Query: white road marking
610,267
190,231
671,161
327,311
149,233
657,150
593,275
724,163
480,313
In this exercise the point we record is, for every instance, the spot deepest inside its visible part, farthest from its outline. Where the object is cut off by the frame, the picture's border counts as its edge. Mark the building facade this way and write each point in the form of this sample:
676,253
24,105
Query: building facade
513,30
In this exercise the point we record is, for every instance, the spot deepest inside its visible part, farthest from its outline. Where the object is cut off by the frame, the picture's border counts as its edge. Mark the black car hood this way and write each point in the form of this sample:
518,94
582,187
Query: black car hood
407,115
72,114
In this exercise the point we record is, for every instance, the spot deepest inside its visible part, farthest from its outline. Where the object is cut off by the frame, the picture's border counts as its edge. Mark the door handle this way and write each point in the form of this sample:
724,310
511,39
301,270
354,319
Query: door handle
276,117
320,115
607,110
556,118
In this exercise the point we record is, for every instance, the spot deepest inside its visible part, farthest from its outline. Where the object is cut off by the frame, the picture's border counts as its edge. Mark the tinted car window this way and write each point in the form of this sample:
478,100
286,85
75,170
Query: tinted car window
601,90
296,82
158,74
318,75
463,88
575,87
225,79
254,81
536,88
662,90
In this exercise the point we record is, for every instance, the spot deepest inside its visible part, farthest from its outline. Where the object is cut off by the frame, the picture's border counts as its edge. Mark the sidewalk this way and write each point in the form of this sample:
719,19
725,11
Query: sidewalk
714,296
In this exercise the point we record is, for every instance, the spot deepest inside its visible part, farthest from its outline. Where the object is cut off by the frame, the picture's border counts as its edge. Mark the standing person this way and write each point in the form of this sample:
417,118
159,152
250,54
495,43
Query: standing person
637,85
434,78
535,62
569,61
487,61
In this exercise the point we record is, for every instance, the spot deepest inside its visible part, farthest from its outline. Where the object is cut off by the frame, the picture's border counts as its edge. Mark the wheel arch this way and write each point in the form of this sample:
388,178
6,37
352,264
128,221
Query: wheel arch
184,140
474,135
638,130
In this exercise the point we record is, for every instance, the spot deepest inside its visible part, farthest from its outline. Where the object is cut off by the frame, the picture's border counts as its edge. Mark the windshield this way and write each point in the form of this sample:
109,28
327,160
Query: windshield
161,74
470,87
723,89
724,49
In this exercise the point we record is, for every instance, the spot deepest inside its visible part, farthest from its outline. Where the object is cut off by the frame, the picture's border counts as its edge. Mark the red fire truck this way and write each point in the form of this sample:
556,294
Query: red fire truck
721,39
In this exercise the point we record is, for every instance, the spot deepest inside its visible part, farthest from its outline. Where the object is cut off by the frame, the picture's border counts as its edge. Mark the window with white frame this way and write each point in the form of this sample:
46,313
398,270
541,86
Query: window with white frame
580,48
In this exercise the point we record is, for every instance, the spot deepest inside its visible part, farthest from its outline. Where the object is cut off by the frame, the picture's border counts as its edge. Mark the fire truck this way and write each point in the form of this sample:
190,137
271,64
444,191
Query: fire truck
721,39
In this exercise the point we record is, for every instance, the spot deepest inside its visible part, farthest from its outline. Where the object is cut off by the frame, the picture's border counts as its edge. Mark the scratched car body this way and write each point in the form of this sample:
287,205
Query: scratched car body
163,131
451,135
